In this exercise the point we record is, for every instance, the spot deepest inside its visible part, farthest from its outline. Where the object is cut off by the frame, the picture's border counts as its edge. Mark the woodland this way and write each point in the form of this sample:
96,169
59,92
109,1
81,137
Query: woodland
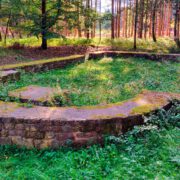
97,56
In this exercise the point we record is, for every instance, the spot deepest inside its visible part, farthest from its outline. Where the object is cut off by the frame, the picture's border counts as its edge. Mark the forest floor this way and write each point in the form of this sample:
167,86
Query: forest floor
27,49
103,81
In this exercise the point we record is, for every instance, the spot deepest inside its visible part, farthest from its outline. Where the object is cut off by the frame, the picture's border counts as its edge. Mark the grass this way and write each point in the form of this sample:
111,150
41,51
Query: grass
105,81
148,152
163,45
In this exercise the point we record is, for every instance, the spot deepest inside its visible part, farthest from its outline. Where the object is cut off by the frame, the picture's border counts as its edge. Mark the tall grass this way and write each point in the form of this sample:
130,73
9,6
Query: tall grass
163,45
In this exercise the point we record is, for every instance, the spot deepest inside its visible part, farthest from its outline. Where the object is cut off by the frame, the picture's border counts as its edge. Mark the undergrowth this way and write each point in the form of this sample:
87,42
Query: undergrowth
104,81
147,152
163,45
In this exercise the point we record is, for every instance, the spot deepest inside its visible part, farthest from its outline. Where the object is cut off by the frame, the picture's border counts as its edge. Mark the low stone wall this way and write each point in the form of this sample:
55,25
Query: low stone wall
56,63
41,65
150,56
43,127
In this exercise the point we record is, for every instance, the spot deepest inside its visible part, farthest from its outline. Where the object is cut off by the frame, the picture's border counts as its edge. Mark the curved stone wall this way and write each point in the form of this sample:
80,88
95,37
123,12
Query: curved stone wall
43,127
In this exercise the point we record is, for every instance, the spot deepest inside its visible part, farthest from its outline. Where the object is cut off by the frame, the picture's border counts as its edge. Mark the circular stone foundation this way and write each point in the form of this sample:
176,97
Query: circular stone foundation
43,127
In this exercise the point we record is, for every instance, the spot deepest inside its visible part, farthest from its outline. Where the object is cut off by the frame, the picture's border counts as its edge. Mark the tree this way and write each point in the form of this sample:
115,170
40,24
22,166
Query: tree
135,25
112,22
177,23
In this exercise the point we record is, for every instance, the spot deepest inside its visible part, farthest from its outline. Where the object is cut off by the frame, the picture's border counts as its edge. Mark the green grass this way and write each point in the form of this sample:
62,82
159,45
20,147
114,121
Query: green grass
163,45
148,152
106,80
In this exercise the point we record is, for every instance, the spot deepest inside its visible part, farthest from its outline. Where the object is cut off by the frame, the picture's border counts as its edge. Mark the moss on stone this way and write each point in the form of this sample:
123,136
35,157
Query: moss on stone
142,109
39,62
7,107
107,117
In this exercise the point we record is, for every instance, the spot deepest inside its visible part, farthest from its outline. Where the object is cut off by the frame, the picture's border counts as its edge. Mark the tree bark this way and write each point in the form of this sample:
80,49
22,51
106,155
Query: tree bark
43,27
135,26
154,21
112,22
177,23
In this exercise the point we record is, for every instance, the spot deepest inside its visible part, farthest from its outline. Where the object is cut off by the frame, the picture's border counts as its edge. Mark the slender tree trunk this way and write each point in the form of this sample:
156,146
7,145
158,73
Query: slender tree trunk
177,23
135,26
100,26
79,20
88,28
0,37
112,22
154,22
7,28
44,26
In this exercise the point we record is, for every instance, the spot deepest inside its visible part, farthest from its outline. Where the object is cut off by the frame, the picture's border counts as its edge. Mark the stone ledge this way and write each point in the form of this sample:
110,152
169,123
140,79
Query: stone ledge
9,75
41,65
43,127
150,56
37,95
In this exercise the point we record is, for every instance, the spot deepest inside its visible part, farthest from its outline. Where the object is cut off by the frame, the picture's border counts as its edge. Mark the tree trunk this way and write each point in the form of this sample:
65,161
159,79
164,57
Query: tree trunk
88,28
0,37
112,22
43,28
135,26
154,22
177,23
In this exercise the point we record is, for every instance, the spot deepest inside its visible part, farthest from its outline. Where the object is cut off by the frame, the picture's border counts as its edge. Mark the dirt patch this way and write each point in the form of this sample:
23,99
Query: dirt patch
26,54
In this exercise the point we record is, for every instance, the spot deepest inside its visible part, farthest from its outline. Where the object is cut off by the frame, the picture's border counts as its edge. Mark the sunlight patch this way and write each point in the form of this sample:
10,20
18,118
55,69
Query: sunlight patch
106,60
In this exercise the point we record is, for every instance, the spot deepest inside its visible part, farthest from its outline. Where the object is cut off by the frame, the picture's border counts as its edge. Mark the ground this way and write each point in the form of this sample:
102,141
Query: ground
146,152
26,49
149,152
105,81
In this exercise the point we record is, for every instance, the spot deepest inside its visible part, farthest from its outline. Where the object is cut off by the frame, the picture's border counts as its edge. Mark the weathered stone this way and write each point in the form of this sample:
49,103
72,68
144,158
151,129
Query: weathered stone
4,133
27,142
34,94
64,136
30,127
18,140
9,126
125,54
9,75
19,126
37,143
5,141
45,144
53,127
34,134
49,135
43,65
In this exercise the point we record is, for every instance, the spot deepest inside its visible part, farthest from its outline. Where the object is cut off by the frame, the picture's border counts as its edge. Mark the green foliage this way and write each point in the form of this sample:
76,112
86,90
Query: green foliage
164,45
166,119
107,80
146,152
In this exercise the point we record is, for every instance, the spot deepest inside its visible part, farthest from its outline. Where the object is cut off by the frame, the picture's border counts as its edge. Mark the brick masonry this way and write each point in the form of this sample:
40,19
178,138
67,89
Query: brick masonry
43,127
150,56
42,65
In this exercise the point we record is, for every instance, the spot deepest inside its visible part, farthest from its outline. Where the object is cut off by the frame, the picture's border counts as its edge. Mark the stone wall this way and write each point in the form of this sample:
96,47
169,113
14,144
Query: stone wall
43,127
150,56
42,134
42,65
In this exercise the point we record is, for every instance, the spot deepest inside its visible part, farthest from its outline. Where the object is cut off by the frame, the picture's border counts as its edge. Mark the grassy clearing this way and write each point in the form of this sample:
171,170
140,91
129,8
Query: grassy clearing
105,81
163,45
148,152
